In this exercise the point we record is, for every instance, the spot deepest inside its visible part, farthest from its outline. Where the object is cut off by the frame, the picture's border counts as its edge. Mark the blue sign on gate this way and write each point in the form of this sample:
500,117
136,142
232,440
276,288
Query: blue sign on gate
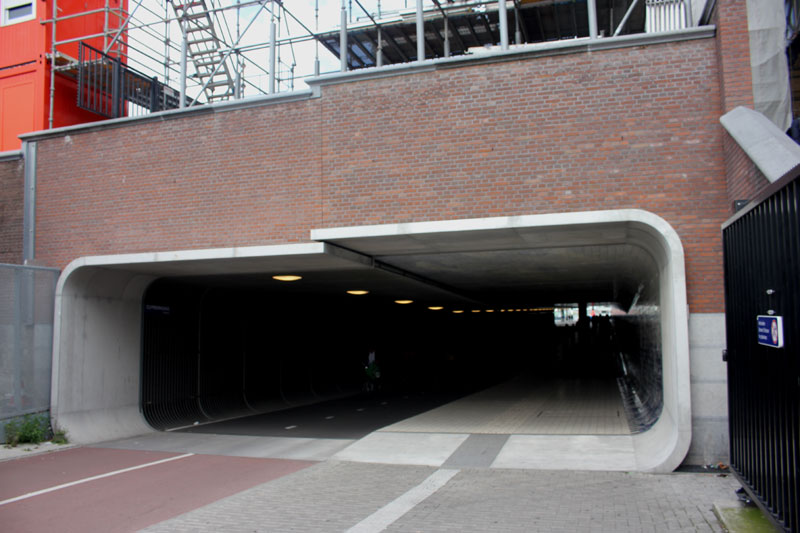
770,331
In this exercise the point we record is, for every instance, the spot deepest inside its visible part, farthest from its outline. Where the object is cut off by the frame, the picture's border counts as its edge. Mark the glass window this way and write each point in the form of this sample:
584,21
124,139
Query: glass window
17,11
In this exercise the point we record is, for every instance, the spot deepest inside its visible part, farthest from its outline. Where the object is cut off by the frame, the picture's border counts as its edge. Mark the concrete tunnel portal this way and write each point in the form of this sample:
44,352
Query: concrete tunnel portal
201,336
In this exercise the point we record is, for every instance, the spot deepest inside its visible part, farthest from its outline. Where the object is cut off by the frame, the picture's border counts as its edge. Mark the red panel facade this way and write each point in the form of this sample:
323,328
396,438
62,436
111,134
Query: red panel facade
24,49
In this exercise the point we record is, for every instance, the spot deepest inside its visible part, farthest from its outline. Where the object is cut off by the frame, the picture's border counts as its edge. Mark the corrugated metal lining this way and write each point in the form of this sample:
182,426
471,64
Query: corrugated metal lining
664,15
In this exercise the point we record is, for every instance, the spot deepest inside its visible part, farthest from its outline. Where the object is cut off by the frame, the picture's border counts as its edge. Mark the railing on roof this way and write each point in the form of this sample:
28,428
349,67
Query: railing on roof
109,88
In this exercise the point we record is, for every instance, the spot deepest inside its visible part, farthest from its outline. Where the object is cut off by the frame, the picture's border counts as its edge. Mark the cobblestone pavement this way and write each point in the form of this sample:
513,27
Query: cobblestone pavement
339,495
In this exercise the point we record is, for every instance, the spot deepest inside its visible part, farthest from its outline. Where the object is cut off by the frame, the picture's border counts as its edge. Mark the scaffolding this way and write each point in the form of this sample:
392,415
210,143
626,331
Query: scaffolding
162,54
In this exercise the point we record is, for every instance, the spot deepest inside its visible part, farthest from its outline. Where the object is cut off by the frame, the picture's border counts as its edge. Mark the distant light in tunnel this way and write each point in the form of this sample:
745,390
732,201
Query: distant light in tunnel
458,311
357,292
435,307
403,302
287,277
476,310
490,310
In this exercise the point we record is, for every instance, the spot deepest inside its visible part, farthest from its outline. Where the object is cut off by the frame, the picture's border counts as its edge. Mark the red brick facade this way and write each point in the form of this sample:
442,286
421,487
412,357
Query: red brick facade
625,128
736,83
745,180
12,187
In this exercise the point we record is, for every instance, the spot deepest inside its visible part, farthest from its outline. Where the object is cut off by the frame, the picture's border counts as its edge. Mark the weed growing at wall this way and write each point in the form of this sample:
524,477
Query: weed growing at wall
28,429
33,429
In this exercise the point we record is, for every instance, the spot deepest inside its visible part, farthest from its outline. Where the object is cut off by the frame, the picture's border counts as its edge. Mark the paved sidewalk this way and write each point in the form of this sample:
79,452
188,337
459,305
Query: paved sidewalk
339,495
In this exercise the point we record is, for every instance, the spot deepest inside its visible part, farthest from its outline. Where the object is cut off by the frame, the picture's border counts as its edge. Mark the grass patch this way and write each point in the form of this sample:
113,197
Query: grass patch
32,429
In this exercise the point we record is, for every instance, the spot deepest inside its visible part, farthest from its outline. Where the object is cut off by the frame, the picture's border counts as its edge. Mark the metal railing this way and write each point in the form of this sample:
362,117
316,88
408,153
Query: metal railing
108,87
762,307
26,339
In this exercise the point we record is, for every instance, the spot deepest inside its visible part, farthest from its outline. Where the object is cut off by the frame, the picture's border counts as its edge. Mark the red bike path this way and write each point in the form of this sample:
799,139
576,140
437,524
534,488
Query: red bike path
101,489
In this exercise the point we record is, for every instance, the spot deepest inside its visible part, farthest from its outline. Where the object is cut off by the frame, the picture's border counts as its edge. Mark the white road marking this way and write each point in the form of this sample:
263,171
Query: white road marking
392,511
87,479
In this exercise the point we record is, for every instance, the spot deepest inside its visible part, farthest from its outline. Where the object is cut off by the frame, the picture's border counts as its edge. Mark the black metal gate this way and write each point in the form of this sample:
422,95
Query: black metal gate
762,308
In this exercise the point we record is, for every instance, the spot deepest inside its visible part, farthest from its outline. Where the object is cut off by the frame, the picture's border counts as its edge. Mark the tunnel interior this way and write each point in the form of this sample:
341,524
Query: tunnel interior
218,347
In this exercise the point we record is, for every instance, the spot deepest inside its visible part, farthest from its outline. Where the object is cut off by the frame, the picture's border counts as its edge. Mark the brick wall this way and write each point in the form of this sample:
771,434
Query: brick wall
745,180
733,54
736,82
12,187
625,128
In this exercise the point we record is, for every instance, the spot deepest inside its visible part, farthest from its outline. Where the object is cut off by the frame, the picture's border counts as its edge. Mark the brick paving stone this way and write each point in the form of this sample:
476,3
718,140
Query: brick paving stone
335,495
506,500
330,496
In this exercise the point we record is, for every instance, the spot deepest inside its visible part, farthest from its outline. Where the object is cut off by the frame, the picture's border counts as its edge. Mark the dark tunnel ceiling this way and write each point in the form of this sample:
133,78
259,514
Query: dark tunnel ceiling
527,277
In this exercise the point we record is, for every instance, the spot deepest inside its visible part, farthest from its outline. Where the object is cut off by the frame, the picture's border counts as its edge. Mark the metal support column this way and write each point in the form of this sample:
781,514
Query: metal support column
592,8
446,37
184,49
420,33
379,59
29,203
272,74
343,39
503,14
53,65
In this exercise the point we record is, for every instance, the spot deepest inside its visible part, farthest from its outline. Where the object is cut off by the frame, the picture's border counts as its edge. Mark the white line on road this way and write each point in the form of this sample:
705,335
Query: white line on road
392,511
87,479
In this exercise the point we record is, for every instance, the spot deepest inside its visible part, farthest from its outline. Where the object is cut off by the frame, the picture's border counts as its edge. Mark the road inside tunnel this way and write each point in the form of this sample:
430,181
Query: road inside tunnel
229,355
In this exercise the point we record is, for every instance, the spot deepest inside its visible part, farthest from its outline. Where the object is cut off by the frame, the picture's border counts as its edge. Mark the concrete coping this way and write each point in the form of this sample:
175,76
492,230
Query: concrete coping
774,153
11,155
492,55
515,53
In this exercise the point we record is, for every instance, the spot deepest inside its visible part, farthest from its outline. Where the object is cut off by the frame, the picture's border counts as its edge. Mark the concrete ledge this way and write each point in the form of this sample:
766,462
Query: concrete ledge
12,155
774,153
172,114
516,53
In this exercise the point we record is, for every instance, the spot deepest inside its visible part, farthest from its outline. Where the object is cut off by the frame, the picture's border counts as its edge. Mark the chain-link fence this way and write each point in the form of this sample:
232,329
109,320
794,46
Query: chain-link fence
27,297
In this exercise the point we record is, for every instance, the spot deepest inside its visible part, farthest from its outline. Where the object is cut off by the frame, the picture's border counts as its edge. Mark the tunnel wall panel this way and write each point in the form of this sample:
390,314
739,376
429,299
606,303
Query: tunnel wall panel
96,355
639,337
709,390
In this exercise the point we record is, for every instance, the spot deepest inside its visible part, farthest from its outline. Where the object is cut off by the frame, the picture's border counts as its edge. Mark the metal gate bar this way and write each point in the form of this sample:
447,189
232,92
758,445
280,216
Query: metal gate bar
761,248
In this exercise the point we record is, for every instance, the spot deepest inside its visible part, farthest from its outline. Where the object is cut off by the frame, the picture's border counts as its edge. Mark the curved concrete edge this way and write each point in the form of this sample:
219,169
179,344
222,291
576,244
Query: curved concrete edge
95,385
96,345
773,152
95,388
664,446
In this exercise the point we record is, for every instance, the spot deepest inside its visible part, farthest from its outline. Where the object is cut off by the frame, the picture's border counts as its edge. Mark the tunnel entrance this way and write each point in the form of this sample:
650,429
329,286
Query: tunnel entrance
211,335
231,346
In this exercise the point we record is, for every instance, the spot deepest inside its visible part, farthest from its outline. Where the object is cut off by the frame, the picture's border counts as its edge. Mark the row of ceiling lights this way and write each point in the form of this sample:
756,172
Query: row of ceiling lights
361,292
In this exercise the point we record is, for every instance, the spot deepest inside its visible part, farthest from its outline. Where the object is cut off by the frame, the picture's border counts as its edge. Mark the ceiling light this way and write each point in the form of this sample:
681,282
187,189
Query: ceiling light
490,310
458,311
287,277
403,302
436,308
476,310
357,292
